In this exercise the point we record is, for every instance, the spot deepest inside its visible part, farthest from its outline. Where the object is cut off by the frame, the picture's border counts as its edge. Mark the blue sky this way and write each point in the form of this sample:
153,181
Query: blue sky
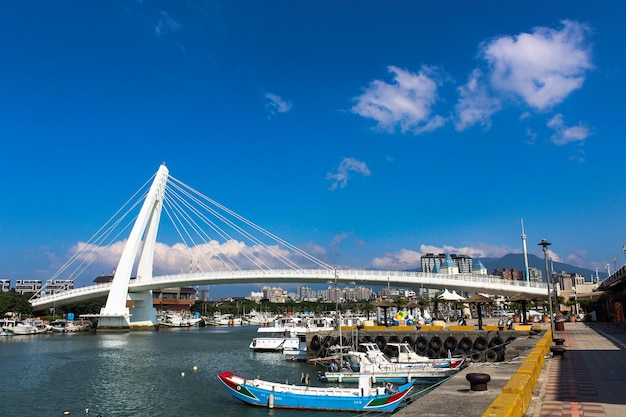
371,131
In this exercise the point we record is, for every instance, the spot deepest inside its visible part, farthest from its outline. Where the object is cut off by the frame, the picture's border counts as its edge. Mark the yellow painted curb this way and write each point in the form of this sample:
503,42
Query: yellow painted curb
426,328
505,405
522,385
461,328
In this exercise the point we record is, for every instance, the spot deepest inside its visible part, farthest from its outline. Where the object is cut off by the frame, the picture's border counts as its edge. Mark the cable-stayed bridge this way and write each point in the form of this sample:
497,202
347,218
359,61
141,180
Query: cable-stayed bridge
223,248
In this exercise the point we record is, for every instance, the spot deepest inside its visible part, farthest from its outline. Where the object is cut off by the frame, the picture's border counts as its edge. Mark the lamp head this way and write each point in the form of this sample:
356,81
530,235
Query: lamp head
544,243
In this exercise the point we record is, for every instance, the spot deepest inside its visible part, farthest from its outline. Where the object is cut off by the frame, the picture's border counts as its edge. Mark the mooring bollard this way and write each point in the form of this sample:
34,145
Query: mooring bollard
558,342
557,351
478,381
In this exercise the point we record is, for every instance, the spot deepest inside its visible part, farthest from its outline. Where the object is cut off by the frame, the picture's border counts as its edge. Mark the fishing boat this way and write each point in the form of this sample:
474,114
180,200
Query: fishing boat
17,327
351,366
294,348
366,397
401,353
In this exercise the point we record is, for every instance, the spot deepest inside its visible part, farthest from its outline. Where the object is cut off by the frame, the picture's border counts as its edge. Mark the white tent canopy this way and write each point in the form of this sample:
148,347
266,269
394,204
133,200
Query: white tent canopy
451,296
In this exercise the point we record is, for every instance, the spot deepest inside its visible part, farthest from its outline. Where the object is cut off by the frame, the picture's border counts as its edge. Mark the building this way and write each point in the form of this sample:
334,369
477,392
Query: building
306,294
5,285
274,294
58,285
178,300
479,268
432,263
27,286
535,274
448,266
508,273
567,280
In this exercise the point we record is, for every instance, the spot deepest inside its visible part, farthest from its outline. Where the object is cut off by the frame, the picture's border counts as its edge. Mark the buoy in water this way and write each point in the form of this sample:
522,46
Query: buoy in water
66,413
182,374
195,368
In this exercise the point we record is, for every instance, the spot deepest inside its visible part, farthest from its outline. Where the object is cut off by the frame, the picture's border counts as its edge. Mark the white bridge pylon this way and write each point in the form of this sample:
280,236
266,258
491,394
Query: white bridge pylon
142,239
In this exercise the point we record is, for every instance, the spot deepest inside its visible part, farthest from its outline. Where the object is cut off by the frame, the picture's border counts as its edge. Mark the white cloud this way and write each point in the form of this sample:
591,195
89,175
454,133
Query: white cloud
525,115
178,258
338,239
404,259
542,67
400,260
479,250
476,103
567,134
166,24
347,165
276,104
406,104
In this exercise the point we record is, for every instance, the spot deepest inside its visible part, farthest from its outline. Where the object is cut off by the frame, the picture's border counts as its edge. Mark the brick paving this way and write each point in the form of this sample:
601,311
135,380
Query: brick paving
590,379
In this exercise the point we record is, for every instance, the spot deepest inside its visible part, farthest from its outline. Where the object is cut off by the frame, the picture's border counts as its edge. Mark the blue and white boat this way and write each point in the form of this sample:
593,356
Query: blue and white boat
276,395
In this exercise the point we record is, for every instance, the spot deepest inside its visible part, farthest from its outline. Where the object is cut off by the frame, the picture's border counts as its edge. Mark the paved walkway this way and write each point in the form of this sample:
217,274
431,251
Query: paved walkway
590,380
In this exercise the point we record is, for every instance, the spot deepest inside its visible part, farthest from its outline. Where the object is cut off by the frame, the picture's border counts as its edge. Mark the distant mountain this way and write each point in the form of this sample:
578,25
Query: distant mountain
516,261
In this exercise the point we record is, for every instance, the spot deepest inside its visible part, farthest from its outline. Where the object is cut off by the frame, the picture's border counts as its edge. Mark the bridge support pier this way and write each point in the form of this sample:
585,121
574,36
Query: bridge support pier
113,322
143,314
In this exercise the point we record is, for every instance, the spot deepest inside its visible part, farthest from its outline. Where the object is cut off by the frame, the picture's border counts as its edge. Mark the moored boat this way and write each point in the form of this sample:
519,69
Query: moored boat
294,348
366,397
274,337
17,327
349,367
402,355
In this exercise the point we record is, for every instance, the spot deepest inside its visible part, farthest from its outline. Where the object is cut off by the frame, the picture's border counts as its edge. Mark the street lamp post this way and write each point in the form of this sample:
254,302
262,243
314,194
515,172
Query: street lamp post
544,244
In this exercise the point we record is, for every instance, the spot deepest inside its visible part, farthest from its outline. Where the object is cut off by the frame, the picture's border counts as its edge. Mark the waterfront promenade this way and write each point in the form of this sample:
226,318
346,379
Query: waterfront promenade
590,380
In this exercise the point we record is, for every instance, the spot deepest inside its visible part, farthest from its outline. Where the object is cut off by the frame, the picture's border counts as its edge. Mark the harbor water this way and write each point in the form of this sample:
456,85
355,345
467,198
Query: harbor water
169,373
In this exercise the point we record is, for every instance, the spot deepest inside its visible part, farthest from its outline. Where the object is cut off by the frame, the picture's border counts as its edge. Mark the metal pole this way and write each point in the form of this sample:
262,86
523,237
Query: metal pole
544,243
337,315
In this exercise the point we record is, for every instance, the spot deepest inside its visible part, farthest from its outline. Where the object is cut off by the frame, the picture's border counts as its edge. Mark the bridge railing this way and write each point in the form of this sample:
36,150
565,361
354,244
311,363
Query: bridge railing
61,295
314,276
346,276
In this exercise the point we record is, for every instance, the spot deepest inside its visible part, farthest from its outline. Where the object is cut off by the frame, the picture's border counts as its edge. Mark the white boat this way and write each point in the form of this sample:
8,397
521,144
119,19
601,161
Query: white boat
401,352
294,348
256,318
40,325
355,365
371,361
17,327
228,320
178,320
275,336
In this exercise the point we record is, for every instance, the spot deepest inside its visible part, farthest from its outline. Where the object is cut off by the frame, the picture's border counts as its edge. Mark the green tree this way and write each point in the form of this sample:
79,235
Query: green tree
436,299
12,302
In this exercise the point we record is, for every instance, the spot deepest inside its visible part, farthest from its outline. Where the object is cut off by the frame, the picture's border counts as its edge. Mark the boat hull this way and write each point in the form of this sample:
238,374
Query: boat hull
266,394
393,377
